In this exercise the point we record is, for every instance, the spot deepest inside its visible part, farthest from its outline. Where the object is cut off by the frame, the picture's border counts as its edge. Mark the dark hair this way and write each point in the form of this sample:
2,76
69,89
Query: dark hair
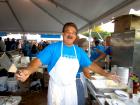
70,24
97,42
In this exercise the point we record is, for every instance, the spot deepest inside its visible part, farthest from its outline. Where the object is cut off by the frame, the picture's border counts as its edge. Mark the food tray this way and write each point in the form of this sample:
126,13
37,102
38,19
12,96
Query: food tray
107,85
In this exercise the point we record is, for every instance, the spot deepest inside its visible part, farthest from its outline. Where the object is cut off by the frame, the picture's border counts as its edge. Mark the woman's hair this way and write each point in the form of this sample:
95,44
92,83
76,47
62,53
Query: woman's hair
82,42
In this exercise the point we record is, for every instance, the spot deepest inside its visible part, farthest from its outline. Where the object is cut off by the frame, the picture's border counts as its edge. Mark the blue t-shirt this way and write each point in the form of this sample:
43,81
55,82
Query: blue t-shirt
50,55
108,50
94,53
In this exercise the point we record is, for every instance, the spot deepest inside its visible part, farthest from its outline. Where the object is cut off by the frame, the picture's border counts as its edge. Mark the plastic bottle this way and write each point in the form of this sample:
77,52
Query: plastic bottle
130,86
114,69
130,70
130,82
107,63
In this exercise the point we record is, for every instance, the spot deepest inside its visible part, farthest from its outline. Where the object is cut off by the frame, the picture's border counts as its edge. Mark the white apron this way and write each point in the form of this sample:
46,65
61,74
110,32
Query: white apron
62,84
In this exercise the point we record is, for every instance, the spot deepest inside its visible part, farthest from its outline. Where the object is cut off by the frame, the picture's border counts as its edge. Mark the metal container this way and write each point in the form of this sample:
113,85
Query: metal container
126,48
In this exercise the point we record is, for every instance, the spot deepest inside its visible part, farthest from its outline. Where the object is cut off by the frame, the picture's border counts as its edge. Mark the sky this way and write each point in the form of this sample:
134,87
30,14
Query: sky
109,27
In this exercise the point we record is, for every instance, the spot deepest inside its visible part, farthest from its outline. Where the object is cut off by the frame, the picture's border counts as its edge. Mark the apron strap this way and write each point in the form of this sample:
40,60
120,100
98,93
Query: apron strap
75,51
61,48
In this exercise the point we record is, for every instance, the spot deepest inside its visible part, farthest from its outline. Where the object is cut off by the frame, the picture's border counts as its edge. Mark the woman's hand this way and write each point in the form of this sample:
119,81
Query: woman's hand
22,75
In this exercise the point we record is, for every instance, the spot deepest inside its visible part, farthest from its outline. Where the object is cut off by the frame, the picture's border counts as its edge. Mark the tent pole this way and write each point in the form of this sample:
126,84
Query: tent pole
100,36
89,40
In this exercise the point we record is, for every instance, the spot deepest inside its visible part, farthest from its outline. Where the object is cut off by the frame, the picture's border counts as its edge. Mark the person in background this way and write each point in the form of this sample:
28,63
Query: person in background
19,46
84,44
63,59
108,51
13,44
8,44
2,45
82,75
26,48
34,50
98,53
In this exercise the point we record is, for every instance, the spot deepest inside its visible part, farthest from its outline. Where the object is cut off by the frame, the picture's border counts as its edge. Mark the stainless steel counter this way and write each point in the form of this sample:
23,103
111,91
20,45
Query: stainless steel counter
111,98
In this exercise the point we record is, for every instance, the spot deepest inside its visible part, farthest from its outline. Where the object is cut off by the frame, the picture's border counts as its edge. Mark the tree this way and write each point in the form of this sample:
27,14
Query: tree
97,30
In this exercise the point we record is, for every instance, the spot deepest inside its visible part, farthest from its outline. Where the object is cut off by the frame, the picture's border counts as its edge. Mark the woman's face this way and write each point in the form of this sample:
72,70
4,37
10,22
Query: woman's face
69,35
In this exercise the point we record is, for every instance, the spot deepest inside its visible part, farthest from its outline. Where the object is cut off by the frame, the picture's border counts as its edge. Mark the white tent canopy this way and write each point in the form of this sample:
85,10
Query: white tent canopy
50,15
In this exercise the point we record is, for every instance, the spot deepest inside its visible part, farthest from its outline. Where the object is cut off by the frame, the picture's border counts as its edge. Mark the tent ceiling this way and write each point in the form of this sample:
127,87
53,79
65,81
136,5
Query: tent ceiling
50,15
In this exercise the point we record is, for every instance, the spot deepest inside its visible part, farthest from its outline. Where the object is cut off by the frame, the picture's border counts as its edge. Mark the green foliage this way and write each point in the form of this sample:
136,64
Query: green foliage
95,31
134,77
95,34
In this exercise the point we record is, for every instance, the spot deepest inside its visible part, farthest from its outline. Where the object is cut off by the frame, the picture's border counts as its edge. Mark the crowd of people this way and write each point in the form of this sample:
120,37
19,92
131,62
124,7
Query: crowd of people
99,50
25,47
